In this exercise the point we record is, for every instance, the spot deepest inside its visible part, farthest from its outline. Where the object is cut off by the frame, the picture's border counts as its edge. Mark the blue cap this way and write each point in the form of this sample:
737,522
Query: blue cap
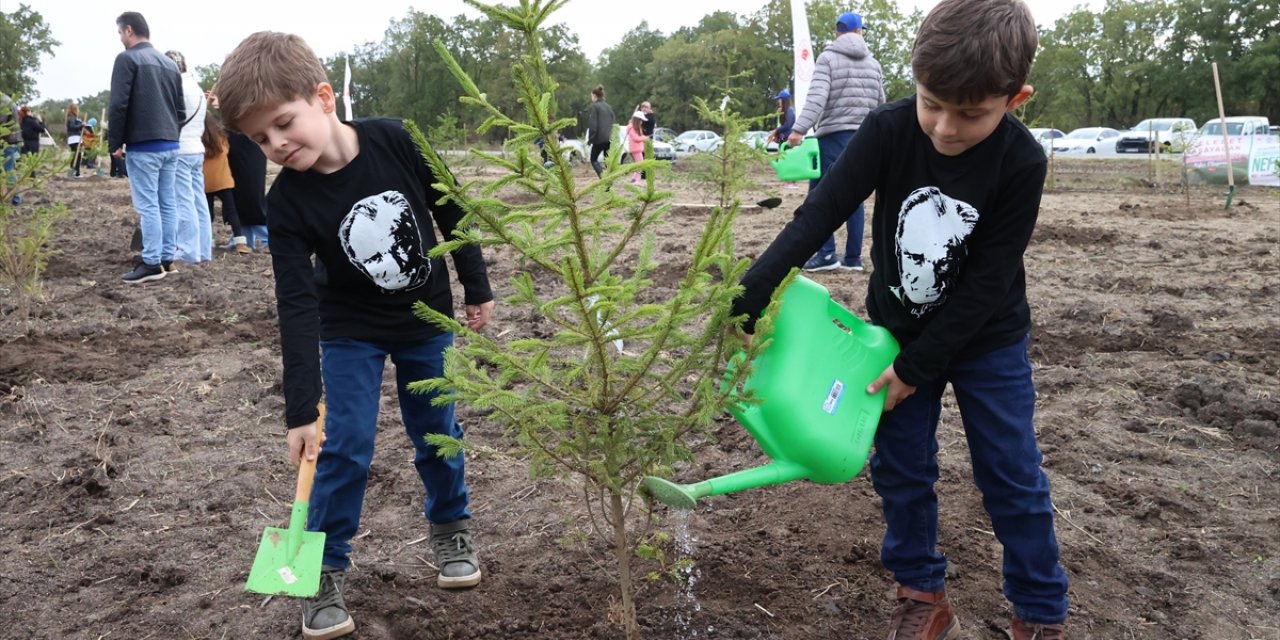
783,95
93,122
848,22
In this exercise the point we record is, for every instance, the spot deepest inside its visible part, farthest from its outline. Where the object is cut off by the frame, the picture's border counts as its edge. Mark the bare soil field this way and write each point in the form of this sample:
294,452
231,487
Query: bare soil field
141,430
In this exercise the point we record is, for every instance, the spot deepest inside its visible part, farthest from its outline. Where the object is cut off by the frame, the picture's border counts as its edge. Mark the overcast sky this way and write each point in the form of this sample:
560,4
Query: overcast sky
205,32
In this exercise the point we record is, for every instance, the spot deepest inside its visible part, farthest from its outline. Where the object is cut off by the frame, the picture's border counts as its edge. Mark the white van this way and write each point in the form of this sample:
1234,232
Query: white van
1253,148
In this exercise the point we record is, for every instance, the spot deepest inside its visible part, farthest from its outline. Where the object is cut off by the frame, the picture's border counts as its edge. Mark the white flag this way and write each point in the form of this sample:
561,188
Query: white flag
803,48
346,90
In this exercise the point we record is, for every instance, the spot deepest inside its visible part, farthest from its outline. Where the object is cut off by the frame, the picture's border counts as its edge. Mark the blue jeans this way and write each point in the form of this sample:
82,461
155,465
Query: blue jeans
152,175
195,231
352,373
830,147
11,153
996,398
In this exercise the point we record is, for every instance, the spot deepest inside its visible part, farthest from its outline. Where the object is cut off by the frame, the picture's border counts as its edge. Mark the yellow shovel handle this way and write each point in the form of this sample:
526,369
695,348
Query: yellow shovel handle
307,470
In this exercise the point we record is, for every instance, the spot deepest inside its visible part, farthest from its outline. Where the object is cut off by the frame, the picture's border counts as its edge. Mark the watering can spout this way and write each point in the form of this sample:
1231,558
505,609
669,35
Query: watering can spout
685,496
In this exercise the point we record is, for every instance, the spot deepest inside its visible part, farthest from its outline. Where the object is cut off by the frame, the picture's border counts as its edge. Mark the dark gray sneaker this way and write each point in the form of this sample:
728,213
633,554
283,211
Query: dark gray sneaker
455,555
325,616
144,273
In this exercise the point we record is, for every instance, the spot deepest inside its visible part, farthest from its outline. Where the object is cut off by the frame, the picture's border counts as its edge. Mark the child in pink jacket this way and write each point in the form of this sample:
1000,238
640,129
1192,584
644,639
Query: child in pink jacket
635,142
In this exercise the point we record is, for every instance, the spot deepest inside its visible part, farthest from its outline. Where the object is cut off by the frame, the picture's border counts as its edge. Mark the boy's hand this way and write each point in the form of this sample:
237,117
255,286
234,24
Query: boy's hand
478,315
302,439
898,390
795,139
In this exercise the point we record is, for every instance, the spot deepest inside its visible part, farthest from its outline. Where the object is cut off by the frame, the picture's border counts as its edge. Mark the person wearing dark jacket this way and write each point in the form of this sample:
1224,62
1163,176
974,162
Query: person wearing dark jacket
32,128
146,112
249,169
600,121
75,127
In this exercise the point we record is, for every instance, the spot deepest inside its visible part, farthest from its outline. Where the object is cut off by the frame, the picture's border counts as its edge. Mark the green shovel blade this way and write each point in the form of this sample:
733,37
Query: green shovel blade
289,561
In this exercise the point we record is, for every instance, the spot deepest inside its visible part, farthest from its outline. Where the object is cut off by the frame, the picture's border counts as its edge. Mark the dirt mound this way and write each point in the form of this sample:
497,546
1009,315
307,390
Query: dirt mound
141,429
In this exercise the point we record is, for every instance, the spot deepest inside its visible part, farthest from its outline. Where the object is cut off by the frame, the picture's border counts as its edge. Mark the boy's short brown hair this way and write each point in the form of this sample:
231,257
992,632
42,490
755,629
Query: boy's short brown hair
970,50
266,70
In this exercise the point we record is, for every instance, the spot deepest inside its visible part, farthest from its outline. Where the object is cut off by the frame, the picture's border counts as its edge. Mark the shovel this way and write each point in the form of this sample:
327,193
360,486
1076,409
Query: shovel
770,203
289,560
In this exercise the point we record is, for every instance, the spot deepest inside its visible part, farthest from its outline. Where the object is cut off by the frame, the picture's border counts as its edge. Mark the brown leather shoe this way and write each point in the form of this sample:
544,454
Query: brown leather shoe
1024,631
922,616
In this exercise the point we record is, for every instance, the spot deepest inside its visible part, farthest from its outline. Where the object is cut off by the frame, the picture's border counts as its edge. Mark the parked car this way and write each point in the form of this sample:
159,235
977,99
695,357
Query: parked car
1088,140
1046,137
696,140
759,140
1237,126
574,150
1157,134
663,134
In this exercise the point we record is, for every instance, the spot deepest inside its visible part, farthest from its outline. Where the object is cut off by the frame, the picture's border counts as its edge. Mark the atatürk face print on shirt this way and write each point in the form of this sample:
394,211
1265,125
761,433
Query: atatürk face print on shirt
381,238
932,228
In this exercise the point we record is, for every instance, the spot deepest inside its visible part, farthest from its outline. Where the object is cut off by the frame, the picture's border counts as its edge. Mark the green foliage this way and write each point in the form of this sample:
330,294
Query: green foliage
654,549
26,37
403,76
607,380
1138,59
448,133
1131,60
25,230
725,170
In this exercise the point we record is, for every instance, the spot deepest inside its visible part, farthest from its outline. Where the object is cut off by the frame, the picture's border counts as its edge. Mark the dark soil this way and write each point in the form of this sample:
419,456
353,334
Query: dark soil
141,430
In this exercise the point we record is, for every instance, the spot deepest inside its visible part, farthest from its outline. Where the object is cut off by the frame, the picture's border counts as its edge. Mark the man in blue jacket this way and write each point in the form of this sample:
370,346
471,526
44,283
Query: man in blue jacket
146,113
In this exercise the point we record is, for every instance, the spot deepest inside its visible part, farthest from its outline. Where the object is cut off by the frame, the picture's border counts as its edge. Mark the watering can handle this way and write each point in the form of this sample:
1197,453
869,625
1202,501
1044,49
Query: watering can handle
307,468
842,314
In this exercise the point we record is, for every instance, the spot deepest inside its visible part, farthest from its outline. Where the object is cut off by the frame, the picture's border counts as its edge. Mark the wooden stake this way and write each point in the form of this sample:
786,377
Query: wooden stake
1226,148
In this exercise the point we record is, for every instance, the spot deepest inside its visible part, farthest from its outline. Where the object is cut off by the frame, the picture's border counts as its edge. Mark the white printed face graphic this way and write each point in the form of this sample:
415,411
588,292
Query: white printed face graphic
382,239
932,228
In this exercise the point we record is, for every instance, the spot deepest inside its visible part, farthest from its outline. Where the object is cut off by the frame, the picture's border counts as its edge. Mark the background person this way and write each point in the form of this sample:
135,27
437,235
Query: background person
847,84
32,129
249,172
635,142
75,127
600,123
786,118
219,182
146,111
194,240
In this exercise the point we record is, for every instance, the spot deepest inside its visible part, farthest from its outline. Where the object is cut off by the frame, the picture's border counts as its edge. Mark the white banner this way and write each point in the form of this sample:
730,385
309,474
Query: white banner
346,91
803,48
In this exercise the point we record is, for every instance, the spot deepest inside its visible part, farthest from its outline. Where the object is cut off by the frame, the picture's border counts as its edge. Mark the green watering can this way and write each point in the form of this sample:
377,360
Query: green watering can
795,164
815,419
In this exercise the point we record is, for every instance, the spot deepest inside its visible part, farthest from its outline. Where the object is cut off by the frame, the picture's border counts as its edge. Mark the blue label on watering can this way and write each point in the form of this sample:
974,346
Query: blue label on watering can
833,397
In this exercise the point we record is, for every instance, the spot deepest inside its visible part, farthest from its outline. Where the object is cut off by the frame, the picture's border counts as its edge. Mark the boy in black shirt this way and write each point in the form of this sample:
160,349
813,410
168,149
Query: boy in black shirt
357,196
958,182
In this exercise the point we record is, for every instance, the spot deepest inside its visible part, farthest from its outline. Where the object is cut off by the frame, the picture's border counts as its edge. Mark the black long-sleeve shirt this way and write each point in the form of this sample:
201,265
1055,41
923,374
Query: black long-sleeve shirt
948,237
369,226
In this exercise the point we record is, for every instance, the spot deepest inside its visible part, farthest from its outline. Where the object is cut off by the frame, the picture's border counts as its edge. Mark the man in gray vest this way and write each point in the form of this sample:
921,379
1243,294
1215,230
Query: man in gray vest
847,84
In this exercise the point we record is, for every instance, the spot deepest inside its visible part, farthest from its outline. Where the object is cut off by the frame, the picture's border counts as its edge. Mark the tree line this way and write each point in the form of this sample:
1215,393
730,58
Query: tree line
1134,59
